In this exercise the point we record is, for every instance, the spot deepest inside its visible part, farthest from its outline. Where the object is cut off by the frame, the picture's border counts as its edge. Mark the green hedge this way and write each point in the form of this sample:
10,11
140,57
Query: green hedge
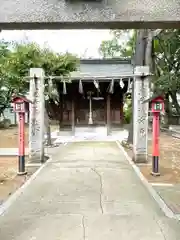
128,112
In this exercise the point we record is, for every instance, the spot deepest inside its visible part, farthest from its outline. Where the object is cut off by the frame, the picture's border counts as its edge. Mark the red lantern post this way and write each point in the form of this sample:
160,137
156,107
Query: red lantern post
157,107
21,105
21,144
155,142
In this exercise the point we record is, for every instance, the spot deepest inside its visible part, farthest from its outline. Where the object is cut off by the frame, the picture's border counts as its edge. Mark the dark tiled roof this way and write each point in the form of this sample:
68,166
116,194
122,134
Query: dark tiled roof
103,68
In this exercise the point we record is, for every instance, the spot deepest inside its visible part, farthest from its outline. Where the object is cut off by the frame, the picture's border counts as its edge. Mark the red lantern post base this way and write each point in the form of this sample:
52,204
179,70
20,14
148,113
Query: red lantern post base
21,173
155,166
21,170
155,174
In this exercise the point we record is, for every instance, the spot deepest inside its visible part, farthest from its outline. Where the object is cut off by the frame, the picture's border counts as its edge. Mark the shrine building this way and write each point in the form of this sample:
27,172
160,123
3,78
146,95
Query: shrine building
94,94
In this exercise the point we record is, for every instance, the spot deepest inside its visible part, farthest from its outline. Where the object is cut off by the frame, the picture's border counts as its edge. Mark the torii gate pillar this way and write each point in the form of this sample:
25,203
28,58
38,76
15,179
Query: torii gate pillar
36,118
140,119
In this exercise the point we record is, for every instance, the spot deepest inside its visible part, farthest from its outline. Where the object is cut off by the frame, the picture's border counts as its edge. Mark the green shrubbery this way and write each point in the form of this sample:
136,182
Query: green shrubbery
128,111
128,115
5,123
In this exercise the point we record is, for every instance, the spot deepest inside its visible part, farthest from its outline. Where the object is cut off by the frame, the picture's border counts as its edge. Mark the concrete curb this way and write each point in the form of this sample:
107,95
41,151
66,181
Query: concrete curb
11,152
167,211
20,190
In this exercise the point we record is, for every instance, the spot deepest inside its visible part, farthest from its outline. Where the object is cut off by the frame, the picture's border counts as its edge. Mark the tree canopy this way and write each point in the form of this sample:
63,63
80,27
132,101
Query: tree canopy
122,44
167,60
165,55
17,58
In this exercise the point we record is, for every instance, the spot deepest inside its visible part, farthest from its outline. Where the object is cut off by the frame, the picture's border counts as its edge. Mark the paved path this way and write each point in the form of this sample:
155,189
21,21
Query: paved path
92,134
88,192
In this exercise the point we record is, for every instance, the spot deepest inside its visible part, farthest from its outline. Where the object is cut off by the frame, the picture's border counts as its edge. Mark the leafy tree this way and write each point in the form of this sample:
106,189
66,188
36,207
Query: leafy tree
164,60
5,89
17,58
128,111
121,45
167,62
110,48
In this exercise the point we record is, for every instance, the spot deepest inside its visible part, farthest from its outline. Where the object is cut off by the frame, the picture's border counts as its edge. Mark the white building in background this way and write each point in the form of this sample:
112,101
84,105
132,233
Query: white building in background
13,117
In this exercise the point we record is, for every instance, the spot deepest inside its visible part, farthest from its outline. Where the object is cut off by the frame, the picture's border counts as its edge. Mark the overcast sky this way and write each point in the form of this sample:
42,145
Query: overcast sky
74,41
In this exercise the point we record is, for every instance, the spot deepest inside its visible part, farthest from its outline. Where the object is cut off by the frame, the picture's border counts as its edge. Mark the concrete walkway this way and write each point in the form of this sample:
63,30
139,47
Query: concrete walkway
87,192
92,134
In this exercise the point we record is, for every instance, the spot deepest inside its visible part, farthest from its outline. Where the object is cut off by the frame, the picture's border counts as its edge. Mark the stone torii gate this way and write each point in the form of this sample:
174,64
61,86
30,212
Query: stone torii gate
140,119
73,14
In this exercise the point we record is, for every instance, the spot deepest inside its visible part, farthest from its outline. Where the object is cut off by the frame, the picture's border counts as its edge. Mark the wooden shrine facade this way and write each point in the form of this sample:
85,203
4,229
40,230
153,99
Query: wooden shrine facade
94,96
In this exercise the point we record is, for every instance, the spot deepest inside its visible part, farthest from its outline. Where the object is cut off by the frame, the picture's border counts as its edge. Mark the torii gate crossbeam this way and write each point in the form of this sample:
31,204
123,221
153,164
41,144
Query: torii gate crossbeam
82,14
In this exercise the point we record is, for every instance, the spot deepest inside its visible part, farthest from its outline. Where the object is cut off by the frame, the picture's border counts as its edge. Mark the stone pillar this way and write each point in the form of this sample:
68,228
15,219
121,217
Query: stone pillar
47,127
140,119
36,118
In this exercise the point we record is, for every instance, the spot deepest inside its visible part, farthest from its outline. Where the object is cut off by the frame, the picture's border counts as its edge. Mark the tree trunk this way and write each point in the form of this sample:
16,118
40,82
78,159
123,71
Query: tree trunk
48,132
143,56
148,55
175,102
168,112
139,60
47,127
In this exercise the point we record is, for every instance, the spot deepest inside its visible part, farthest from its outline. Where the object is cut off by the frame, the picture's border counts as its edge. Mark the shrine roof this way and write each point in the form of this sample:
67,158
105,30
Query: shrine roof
103,68
153,97
24,98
